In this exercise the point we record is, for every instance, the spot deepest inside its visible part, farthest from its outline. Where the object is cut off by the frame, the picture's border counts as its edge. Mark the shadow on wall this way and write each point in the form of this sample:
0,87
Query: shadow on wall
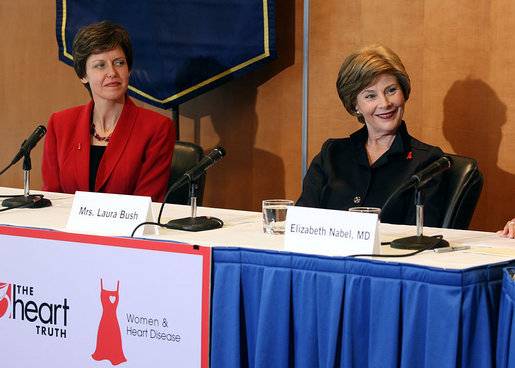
247,174
473,120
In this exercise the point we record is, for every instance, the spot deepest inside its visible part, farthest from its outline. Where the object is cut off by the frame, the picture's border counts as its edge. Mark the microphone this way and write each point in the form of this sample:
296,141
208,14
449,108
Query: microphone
27,200
196,171
423,176
29,143
420,241
194,223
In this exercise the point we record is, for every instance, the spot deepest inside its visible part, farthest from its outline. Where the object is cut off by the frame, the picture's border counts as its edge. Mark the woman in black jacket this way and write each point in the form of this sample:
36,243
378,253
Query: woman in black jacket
367,167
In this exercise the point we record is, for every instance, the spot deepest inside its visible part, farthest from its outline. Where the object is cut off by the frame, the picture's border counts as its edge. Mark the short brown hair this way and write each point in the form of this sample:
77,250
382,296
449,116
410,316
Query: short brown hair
362,67
96,38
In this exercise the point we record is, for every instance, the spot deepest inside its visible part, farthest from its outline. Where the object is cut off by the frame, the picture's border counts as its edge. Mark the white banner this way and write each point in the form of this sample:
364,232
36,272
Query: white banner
69,300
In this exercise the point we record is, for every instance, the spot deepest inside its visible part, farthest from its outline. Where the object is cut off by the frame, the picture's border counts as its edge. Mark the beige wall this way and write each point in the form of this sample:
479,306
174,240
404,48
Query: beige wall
458,55
461,62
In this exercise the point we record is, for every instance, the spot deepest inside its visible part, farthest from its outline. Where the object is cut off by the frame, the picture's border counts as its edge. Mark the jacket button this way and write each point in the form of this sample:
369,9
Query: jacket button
357,199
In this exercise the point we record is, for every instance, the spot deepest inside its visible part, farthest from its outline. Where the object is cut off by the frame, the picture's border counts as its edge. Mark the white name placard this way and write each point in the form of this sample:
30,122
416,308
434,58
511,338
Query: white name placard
331,232
111,214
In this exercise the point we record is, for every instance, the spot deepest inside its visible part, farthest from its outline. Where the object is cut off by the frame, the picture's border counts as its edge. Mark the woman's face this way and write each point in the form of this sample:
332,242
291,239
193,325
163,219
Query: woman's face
382,105
108,75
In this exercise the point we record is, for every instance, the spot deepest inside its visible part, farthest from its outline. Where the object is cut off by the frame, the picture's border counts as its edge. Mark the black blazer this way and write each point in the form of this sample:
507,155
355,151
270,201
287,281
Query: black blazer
340,177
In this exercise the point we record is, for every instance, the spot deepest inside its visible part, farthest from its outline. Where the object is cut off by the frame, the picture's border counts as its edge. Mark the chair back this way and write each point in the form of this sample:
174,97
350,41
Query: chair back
185,156
464,185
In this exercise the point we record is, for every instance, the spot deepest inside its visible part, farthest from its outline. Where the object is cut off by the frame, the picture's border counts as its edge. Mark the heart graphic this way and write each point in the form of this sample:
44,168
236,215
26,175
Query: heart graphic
4,305
112,299
5,298
3,291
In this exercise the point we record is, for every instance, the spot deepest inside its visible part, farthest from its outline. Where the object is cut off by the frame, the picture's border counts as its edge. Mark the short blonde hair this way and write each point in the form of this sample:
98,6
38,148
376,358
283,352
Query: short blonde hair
362,67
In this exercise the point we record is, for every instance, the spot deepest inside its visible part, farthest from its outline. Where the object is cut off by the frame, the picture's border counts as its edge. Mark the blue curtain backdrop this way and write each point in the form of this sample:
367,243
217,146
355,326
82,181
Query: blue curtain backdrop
182,48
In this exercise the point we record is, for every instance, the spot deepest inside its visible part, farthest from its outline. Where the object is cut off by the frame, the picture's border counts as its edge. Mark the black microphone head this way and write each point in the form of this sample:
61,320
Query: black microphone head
448,159
29,143
42,129
36,135
215,155
39,132
34,138
221,151
426,174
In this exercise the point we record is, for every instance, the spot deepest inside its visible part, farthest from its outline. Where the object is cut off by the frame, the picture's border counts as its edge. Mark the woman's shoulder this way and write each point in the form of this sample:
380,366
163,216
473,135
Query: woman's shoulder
425,147
415,144
150,123
67,120
334,148
151,118
336,144
71,111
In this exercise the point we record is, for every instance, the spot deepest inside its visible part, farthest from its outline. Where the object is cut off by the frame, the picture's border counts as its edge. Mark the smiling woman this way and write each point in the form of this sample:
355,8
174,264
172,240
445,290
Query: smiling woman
109,145
367,167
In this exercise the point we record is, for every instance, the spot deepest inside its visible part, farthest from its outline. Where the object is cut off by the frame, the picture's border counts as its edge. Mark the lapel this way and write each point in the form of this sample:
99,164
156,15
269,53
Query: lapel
118,142
82,147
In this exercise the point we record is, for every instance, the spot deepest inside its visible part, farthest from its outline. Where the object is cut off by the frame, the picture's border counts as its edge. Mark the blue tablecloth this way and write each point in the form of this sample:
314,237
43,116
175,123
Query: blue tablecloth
278,309
506,344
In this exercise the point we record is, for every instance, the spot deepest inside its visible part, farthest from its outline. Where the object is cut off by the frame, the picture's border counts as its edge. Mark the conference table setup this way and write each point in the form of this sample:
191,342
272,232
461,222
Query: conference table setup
274,307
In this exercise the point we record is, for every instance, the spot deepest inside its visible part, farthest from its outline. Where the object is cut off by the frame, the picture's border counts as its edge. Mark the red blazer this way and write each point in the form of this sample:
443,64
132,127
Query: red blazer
136,160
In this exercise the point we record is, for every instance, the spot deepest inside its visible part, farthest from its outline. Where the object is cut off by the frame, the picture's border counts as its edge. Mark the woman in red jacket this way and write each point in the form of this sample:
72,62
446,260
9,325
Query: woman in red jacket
109,145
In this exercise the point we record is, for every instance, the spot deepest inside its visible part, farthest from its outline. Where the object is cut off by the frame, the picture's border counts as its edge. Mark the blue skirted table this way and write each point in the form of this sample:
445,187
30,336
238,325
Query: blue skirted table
279,309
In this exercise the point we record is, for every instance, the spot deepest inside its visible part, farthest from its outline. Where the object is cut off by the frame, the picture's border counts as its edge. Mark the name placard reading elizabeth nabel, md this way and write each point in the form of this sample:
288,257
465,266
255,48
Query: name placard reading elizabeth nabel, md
111,214
331,232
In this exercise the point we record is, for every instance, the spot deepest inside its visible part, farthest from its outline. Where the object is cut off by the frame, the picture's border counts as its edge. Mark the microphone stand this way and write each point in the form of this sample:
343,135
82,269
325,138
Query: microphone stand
419,241
194,223
27,200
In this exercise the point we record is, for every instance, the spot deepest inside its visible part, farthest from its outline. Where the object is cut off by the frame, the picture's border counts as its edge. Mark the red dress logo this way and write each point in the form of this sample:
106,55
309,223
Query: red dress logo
5,298
109,337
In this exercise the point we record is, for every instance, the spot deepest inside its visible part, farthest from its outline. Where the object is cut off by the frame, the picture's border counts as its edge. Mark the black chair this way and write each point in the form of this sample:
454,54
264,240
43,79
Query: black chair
464,185
185,156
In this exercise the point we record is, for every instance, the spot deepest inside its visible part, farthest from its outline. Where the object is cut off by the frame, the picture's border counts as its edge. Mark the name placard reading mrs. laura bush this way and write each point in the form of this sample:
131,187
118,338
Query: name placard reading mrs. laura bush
331,232
111,214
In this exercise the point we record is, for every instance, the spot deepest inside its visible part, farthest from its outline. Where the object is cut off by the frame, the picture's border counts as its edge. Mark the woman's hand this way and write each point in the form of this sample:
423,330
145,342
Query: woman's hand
509,230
